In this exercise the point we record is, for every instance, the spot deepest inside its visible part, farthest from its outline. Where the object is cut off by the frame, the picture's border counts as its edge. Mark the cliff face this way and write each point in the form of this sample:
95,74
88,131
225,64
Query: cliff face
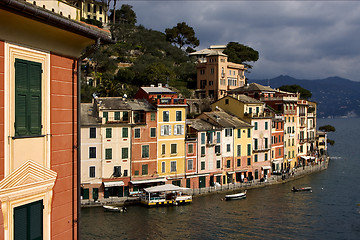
336,97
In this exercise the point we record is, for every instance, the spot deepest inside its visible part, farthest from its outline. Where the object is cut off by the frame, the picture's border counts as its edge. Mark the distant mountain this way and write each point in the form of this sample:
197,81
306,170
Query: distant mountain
336,97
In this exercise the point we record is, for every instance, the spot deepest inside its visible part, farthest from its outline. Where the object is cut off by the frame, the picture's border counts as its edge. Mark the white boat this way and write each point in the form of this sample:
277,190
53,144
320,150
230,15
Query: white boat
304,189
241,195
167,194
109,208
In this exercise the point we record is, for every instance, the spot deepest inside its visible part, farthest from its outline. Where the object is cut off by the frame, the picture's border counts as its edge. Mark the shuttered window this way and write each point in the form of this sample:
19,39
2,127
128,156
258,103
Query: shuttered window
28,221
27,98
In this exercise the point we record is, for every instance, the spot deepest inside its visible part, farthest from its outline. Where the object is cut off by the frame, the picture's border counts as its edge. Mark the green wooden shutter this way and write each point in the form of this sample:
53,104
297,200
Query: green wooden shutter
27,98
35,98
21,96
28,221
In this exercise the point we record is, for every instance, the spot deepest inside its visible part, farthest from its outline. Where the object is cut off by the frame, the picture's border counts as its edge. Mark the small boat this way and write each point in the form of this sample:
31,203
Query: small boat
241,195
109,208
304,189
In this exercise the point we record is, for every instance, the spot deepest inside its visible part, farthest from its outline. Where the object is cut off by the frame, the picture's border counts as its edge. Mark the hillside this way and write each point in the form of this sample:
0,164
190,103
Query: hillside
336,97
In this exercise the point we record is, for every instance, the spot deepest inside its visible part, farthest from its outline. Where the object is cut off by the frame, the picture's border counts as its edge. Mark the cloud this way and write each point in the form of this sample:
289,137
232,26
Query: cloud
304,39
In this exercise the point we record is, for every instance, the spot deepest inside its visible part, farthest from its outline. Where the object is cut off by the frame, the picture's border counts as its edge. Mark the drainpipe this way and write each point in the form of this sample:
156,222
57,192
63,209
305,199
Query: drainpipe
78,147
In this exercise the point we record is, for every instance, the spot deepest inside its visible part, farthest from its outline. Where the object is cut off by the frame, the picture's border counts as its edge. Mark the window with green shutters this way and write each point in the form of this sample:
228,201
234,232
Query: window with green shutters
239,133
238,162
249,133
256,126
106,116
125,132
144,169
125,153
108,153
152,117
202,165
228,162
117,115
27,98
152,132
239,150
108,132
137,132
145,151
248,161
218,164
249,149
255,158
266,125
28,221
255,144
202,138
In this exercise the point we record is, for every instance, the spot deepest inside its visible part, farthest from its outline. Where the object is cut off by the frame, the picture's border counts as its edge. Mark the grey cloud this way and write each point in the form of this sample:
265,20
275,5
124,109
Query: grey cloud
304,39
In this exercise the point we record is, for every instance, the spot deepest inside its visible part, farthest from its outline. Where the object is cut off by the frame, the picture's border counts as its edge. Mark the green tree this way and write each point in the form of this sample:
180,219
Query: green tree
239,53
304,93
181,35
327,128
124,15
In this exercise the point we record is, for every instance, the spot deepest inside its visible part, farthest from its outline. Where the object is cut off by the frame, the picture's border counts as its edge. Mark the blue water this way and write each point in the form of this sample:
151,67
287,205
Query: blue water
274,212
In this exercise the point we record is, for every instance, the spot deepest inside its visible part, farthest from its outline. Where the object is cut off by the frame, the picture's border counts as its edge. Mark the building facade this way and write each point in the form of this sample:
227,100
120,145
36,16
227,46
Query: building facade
38,123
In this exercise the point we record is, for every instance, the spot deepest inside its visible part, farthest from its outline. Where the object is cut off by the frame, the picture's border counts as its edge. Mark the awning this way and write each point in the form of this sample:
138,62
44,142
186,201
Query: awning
241,171
229,172
219,174
200,175
114,184
148,181
165,188
266,167
308,157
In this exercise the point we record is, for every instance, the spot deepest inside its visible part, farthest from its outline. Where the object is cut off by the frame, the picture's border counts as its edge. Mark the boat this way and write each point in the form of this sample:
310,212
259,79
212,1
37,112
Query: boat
109,208
167,194
304,189
241,195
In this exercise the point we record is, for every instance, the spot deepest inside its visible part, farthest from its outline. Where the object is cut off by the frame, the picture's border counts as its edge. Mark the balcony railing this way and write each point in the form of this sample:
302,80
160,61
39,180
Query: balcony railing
112,120
170,101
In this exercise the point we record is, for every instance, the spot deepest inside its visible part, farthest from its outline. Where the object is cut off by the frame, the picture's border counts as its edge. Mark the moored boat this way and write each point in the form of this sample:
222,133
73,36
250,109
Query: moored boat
241,195
304,189
109,208
167,194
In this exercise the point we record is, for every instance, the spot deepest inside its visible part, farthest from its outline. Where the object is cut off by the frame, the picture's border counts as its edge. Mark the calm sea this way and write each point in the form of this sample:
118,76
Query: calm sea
331,211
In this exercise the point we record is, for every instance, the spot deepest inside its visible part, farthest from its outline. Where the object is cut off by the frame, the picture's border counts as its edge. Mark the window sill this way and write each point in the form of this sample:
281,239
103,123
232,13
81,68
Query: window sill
33,136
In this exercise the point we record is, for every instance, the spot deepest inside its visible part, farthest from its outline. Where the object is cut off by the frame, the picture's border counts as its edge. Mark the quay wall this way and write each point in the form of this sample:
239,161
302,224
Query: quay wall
274,179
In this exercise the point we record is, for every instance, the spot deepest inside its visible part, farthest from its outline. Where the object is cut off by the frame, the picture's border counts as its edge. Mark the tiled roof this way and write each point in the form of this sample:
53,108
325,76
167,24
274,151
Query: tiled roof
253,87
141,104
226,120
200,124
113,103
87,115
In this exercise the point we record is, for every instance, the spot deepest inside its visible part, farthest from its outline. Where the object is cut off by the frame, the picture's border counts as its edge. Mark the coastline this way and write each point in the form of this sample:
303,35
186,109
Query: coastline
274,179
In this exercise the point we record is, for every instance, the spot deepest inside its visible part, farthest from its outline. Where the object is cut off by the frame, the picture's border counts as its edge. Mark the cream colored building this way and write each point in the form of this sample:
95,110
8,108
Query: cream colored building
63,8
93,9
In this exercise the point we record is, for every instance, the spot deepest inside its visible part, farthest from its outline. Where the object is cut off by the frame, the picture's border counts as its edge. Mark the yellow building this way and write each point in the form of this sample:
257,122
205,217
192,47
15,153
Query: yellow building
171,116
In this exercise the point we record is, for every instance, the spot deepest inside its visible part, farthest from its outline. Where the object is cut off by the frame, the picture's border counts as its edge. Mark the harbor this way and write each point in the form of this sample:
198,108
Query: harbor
296,173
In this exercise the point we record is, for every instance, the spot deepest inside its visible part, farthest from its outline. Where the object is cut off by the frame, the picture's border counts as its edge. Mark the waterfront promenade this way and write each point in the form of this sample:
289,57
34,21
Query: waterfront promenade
274,179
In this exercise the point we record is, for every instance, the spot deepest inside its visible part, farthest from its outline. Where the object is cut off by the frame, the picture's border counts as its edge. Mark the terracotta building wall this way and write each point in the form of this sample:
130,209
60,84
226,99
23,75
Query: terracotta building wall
63,140
1,126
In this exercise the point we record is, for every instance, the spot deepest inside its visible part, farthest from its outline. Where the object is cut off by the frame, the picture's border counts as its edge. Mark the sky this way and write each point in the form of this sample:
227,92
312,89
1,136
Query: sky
302,39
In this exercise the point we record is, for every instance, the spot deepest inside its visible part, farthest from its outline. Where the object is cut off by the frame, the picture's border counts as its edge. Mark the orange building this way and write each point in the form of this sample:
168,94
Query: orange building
215,75
39,55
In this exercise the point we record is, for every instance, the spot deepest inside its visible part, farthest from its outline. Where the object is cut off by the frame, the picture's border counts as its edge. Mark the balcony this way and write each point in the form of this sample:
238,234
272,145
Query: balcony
112,120
191,137
261,150
169,101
